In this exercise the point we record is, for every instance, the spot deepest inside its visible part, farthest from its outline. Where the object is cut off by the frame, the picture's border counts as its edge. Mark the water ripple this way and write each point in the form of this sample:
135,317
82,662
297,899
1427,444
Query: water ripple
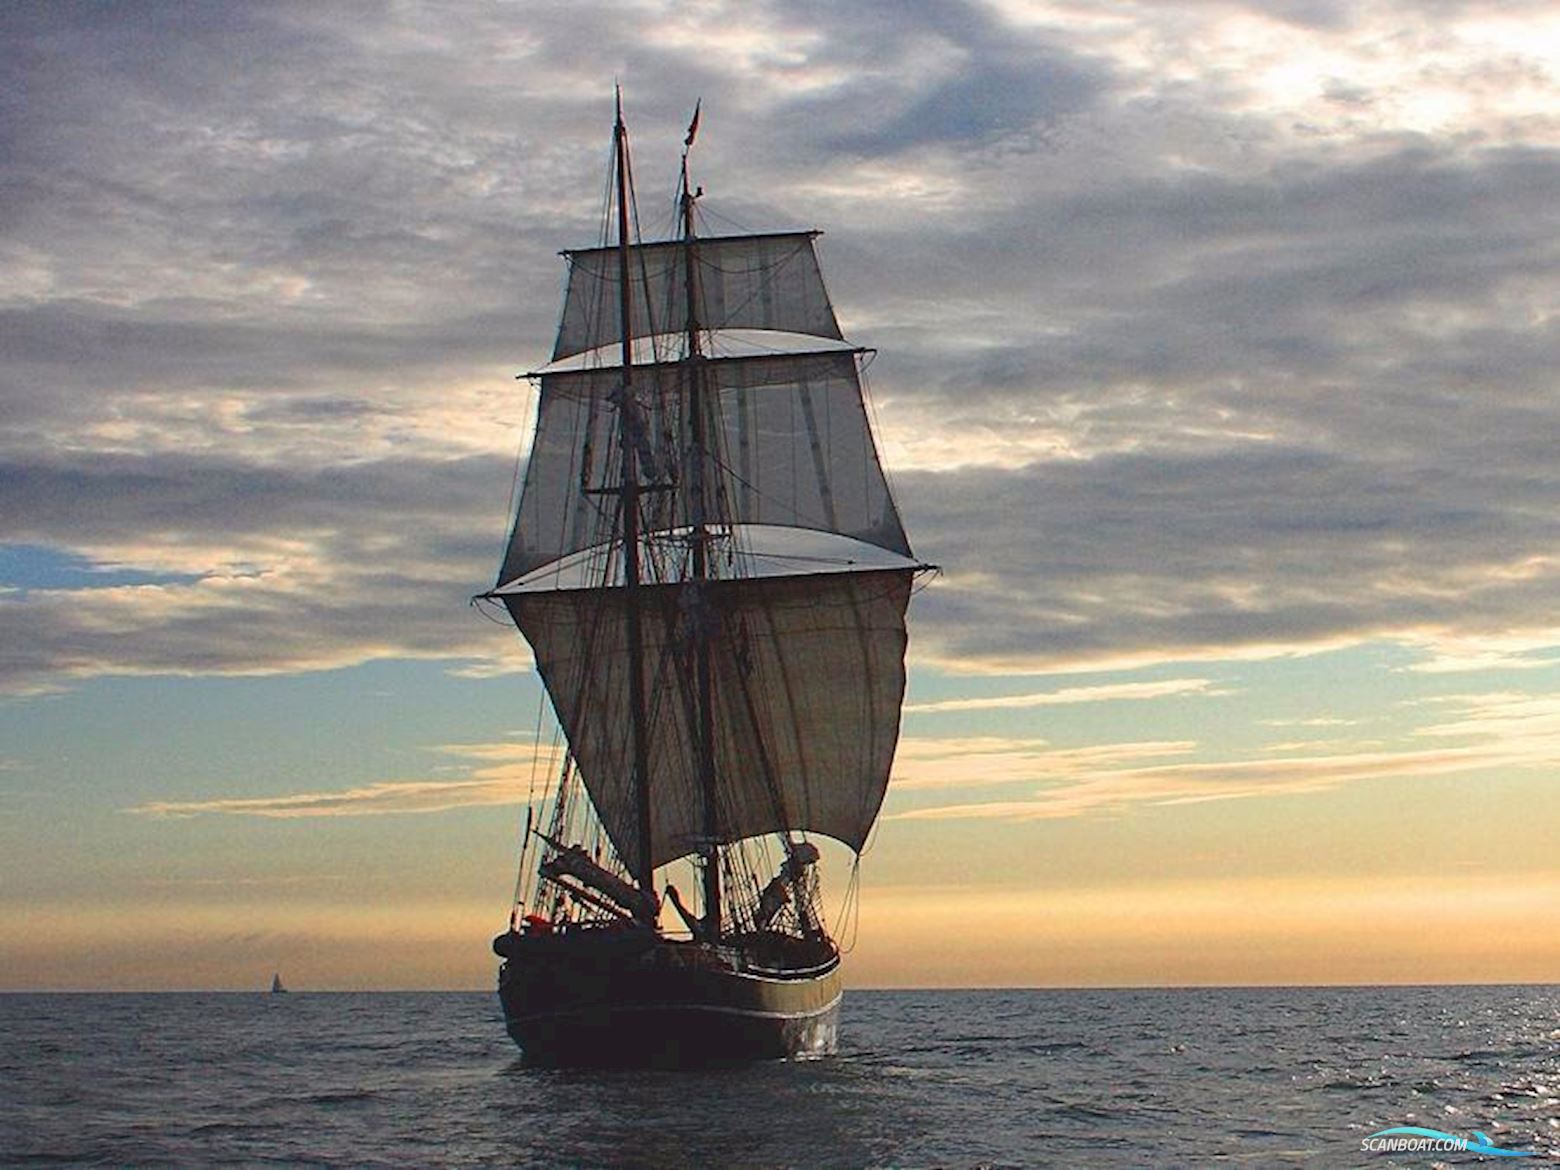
1260,1077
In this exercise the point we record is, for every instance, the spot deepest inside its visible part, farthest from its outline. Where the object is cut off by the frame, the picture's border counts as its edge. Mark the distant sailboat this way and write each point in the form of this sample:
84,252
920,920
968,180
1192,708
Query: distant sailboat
713,578
276,984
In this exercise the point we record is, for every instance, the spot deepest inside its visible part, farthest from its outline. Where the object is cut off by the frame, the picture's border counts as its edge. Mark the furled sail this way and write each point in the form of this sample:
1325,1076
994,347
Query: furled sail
808,680
790,446
744,282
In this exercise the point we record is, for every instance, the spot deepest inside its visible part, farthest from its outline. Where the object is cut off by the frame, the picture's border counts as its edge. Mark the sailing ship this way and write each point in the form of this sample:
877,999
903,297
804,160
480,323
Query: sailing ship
276,984
712,574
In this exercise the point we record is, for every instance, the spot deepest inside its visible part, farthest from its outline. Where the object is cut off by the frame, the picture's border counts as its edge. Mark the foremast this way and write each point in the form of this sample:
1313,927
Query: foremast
628,497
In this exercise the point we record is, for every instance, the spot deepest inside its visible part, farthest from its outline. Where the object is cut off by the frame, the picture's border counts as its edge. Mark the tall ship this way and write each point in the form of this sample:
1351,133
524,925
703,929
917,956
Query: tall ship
712,575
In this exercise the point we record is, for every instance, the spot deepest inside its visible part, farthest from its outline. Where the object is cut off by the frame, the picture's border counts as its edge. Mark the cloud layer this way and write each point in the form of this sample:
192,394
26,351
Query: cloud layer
1216,330
509,774
1463,734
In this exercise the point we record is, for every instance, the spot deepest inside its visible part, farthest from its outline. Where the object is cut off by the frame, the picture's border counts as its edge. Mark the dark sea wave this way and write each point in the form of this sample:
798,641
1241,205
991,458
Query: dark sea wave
1258,1077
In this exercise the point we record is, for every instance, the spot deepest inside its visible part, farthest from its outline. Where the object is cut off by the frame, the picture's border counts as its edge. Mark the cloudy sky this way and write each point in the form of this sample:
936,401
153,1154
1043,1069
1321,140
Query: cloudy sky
1216,369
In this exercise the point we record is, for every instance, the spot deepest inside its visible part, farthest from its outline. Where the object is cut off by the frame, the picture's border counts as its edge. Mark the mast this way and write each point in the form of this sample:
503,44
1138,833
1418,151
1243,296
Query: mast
628,494
797,646
700,538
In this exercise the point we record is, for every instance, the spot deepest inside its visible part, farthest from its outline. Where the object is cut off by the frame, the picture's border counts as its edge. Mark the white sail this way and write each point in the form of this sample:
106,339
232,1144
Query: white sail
744,282
724,523
788,445
808,680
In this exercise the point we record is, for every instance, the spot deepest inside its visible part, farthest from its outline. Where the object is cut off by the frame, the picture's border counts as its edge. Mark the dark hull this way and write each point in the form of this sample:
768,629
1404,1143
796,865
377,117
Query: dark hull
603,998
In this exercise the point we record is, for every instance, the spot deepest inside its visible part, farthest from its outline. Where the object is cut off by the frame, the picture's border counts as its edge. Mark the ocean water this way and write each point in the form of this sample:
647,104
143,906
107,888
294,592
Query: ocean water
1260,1077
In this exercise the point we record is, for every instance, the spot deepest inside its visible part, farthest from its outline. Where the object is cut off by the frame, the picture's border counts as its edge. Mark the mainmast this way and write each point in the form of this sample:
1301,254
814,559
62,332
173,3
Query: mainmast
699,537
628,495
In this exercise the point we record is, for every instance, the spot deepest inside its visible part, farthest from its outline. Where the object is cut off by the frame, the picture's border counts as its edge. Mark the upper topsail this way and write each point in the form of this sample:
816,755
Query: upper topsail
767,282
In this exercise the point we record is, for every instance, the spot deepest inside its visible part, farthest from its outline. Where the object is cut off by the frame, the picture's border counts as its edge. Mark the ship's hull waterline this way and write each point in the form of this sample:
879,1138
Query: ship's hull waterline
595,1000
